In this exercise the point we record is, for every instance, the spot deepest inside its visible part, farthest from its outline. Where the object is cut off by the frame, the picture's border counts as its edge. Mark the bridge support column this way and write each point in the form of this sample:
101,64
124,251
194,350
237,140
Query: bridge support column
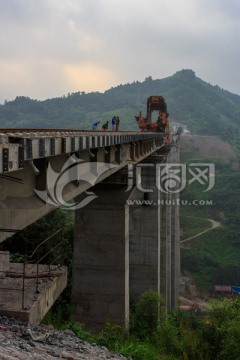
165,250
175,252
144,239
124,247
100,288
175,237
170,241
154,236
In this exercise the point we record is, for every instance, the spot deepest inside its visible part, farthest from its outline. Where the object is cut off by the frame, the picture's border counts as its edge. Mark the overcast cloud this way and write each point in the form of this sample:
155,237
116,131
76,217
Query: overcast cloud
52,47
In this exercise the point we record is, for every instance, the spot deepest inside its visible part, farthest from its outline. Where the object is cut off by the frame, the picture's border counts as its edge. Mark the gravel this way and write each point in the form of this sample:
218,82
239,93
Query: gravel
21,341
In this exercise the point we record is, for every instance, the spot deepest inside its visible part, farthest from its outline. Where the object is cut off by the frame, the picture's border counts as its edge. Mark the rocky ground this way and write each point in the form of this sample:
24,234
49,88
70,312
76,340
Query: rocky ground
20,341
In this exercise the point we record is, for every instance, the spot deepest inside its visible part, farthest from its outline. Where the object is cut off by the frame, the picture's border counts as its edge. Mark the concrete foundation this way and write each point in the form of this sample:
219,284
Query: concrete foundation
29,299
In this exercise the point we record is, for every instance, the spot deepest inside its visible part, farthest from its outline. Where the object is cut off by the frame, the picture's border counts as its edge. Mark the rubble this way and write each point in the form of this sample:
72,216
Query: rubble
21,341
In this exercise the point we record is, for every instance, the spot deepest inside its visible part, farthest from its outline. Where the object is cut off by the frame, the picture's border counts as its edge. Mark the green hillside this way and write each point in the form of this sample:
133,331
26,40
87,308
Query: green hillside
204,108
213,257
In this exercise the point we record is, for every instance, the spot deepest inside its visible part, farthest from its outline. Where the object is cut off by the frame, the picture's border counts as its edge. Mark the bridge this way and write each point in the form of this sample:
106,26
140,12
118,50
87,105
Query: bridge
126,227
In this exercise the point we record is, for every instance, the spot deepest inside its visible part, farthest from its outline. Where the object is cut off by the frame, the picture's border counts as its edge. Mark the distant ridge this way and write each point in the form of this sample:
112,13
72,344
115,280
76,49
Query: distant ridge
204,108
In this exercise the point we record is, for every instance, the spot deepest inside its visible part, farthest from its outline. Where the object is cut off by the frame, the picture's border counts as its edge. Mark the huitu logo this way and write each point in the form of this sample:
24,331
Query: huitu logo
74,169
172,178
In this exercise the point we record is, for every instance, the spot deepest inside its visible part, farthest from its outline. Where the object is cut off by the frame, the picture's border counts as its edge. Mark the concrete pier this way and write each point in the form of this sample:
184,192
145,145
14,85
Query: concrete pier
126,244
144,224
101,259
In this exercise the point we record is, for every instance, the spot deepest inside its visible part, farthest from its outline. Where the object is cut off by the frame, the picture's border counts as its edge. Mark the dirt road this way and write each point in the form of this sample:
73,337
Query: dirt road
214,223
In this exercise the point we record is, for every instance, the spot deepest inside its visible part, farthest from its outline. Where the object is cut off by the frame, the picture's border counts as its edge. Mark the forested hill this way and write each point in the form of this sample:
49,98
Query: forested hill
204,108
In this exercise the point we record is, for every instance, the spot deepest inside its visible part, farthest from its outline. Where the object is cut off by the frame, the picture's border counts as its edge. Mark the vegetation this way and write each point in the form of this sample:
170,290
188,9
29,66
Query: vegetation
26,241
155,335
214,257
193,225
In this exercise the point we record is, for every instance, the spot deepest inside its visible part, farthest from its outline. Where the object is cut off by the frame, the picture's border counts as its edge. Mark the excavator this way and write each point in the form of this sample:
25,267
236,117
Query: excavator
154,103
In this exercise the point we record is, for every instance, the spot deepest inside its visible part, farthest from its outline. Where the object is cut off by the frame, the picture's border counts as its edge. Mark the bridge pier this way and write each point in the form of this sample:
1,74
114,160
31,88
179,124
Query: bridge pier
144,238
100,291
154,235
175,236
124,248
165,250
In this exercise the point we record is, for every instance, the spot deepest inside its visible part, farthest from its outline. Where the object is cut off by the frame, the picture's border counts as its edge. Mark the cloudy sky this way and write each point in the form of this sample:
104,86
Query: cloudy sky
52,47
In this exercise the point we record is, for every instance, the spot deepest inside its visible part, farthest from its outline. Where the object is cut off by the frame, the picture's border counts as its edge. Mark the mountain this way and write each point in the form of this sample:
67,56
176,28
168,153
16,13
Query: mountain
205,109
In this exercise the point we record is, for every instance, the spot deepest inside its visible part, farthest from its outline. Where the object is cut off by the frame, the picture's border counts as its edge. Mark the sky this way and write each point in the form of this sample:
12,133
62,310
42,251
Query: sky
49,48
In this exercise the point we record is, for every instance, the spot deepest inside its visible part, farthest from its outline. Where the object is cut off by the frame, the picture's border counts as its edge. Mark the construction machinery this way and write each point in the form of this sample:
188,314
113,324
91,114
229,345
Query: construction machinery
154,103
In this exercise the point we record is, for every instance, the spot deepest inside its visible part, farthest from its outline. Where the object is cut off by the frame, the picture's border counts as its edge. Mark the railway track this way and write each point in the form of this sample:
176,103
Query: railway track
61,130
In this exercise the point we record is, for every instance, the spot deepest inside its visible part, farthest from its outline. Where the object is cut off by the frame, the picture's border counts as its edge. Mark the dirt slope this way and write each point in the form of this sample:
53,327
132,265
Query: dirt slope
207,146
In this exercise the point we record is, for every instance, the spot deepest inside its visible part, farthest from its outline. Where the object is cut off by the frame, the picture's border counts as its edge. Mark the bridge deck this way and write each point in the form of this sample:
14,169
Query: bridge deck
19,145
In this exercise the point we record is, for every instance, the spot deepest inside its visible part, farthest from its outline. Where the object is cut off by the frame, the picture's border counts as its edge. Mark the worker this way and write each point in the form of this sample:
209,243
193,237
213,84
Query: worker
117,123
179,130
166,121
95,125
105,126
163,122
113,123
160,126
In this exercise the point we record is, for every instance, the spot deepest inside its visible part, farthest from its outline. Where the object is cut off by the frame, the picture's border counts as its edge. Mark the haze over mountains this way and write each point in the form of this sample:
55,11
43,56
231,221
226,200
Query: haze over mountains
205,109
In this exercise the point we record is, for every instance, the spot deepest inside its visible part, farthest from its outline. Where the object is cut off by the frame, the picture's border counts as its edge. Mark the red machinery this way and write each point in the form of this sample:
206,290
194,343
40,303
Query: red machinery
154,103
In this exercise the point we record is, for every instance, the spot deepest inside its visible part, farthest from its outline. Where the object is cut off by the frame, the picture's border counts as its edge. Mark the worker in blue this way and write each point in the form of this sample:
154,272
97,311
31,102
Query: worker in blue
113,123
95,125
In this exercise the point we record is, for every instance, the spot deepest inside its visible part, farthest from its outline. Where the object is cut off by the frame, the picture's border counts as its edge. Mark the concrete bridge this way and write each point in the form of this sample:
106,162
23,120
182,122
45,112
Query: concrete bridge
126,228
